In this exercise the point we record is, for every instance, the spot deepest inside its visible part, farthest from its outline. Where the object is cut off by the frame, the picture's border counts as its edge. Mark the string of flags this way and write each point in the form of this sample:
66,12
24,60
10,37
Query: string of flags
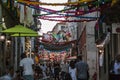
65,13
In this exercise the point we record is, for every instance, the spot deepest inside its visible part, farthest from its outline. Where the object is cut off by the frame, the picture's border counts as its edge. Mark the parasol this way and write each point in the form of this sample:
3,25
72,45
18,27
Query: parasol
19,29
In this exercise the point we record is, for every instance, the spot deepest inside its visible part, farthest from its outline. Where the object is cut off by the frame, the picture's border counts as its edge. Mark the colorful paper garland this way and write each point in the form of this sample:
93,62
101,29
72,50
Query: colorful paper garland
83,20
54,4
55,12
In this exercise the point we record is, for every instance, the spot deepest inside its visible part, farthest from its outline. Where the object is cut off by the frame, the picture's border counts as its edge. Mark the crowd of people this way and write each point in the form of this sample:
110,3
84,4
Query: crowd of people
56,70
65,70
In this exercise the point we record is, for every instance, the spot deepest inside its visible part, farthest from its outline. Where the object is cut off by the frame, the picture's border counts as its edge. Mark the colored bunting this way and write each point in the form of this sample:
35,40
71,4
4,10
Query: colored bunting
61,46
66,12
87,20
54,4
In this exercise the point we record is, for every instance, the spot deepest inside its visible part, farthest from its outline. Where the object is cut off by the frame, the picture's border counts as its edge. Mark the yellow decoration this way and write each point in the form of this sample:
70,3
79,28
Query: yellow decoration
36,60
113,2
8,5
53,4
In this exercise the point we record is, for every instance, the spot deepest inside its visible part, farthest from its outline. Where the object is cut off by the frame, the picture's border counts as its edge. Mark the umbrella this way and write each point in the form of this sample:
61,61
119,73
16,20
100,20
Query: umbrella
19,29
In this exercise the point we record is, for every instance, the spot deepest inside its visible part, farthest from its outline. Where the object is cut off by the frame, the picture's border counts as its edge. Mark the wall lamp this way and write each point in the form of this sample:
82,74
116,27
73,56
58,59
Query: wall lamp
2,37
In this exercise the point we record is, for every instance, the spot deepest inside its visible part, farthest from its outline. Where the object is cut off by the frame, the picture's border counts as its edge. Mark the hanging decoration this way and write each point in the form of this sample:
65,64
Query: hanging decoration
65,13
64,10
61,46
61,36
113,2
83,20
50,11
52,47
74,13
54,4
47,37
81,17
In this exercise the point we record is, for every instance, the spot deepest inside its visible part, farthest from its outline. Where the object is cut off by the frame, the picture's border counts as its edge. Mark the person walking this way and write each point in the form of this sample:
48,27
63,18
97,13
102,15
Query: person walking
8,75
64,69
116,68
82,69
72,70
56,70
27,67
43,67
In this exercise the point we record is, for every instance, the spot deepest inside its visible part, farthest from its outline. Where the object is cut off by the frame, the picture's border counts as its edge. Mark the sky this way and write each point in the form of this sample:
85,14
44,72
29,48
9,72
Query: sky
48,25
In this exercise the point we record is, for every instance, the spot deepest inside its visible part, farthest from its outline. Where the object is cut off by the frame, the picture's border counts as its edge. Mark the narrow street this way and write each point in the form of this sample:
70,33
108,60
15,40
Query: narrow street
59,40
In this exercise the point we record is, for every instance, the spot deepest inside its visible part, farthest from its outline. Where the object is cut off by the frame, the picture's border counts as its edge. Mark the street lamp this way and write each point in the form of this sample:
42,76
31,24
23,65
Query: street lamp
100,47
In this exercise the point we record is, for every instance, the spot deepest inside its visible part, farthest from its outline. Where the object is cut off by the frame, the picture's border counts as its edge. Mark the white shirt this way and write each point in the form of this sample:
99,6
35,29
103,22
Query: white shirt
27,63
72,73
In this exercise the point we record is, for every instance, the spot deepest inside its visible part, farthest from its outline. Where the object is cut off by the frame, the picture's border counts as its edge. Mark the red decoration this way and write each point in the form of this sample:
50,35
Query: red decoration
87,20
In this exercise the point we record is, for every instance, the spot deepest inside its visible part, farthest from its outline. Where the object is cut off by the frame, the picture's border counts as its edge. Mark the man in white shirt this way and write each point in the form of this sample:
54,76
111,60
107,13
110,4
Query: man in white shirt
26,66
